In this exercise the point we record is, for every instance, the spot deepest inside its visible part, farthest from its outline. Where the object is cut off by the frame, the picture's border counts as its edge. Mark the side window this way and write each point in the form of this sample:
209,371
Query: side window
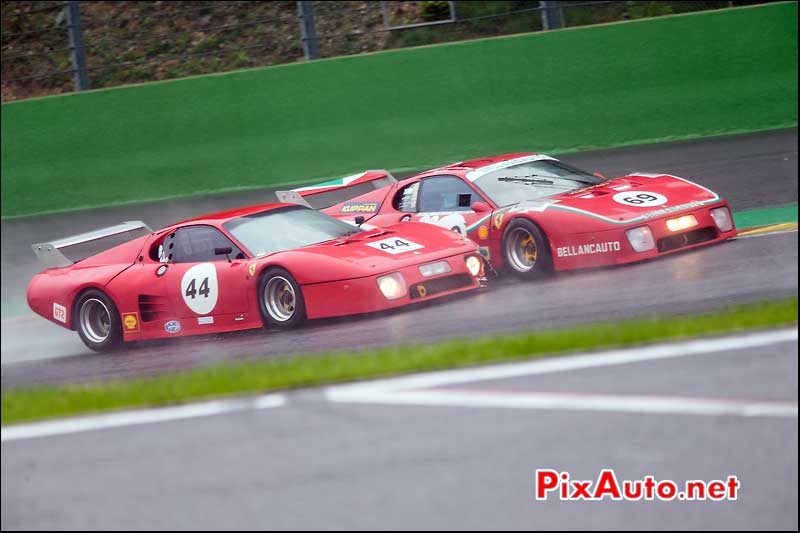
446,193
405,199
195,244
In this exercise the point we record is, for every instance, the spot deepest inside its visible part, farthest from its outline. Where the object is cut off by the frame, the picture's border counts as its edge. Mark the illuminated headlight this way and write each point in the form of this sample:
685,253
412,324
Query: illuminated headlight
722,218
434,269
684,222
474,265
641,238
392,286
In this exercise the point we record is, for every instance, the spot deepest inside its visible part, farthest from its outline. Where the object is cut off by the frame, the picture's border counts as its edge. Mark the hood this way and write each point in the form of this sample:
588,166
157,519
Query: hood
376,251
629,199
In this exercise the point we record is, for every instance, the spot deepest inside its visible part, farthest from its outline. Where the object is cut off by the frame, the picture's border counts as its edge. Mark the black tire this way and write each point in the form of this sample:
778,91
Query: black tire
280,299
520,258
97,321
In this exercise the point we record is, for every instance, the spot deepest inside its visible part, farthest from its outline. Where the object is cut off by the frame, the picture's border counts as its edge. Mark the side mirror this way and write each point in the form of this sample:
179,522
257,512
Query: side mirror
480,207
226,251
359,220
598,175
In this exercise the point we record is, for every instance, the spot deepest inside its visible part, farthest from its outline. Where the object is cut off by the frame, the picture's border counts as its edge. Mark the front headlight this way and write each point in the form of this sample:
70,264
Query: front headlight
474,265
681,223
722,218
434,269
392,286
641,238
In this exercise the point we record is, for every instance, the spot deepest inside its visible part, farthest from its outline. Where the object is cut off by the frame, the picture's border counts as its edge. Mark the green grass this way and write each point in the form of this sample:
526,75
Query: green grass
24,404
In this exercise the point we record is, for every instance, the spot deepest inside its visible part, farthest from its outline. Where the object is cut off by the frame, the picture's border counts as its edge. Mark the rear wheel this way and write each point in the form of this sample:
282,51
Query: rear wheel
280,299
97,321
525,250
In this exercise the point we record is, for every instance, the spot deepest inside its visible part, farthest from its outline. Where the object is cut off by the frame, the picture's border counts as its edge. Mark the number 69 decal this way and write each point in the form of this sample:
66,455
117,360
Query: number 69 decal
640,198
199,288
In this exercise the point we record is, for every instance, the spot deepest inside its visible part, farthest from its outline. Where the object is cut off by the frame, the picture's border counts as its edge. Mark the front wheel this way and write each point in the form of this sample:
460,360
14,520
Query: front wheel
525,250
280,299
97,321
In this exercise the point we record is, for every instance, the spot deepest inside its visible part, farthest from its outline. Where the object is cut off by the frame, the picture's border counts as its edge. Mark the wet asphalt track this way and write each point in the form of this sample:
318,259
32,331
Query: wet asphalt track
757,170
314,464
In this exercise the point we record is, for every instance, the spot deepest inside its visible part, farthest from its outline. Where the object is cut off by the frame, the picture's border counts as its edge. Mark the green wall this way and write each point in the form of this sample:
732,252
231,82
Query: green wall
668,78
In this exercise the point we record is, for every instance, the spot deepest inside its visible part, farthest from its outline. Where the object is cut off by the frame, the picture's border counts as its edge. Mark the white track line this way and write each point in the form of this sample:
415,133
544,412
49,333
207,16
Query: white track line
358,391
415,390
133,418
590,402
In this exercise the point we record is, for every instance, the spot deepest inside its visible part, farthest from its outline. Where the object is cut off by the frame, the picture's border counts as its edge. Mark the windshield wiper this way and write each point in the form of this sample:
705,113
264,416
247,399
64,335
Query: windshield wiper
527,179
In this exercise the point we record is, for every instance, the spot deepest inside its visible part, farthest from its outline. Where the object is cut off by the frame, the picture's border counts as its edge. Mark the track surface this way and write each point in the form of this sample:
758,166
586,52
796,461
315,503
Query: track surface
321,465
757,170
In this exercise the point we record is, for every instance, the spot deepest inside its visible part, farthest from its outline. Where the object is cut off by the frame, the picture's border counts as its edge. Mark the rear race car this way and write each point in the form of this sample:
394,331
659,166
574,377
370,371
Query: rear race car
274,265
530,213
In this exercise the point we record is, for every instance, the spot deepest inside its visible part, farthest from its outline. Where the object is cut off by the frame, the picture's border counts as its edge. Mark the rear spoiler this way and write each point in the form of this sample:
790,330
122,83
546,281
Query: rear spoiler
50,254
377,178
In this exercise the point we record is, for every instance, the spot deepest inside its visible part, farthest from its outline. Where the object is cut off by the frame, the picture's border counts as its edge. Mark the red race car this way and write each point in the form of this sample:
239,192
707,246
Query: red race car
530,213
272,264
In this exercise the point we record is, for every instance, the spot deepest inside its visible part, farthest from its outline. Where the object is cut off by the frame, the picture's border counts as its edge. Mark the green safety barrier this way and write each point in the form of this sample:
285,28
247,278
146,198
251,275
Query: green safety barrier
669,78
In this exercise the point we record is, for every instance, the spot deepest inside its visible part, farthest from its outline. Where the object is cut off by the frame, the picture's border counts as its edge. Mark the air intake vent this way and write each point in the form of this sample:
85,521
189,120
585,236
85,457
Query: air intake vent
153,307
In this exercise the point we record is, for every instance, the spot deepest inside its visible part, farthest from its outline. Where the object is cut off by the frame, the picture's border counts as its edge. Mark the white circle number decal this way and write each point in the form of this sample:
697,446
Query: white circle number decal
199,288
640,198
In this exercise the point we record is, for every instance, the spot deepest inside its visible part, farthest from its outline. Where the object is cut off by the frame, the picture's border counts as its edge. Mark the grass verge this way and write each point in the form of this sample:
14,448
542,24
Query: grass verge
25,404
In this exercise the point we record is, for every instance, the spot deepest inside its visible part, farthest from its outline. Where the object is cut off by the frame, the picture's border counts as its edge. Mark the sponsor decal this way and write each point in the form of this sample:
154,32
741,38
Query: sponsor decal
60,312
498,220
130,321
588,249
173,326
203,320
451,221
251,269
360,207
483,232
640,198
395,245
199,288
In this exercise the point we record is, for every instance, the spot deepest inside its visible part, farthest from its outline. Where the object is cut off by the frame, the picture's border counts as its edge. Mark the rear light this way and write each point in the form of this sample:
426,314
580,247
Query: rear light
722,218
641,238
681,223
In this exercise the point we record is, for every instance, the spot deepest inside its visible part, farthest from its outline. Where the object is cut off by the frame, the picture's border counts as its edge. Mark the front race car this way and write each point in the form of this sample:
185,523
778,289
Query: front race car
629,219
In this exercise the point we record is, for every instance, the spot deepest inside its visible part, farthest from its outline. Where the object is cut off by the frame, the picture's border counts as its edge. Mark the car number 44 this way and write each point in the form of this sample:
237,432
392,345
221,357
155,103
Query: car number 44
395,245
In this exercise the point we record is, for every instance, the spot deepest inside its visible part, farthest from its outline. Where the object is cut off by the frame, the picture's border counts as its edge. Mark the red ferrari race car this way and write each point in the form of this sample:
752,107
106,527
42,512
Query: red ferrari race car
274,264
530,213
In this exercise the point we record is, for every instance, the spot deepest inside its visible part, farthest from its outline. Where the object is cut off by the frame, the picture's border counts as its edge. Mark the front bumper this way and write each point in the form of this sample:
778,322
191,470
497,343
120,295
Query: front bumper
611,247
356,296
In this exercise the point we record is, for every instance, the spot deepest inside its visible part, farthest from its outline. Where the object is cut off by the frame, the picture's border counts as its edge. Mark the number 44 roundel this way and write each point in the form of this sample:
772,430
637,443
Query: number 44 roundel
199,288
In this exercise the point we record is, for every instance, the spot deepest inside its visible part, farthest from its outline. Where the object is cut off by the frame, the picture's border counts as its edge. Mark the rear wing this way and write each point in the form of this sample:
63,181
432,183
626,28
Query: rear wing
50,254
376,178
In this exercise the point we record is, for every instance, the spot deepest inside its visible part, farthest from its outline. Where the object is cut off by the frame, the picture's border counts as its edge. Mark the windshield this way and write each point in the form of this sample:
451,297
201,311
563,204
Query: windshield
286,228
532,180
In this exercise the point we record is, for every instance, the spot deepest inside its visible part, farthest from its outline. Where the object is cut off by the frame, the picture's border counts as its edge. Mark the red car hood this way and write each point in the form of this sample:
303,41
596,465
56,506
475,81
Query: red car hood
362,255
630,198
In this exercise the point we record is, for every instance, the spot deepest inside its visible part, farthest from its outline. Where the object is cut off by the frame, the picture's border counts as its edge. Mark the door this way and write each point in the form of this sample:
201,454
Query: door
446,201
200,282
